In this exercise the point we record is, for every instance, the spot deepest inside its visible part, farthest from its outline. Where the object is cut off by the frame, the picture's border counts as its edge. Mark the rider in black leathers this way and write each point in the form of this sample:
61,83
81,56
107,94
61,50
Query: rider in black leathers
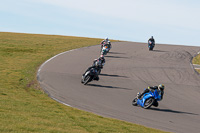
152,40
97,64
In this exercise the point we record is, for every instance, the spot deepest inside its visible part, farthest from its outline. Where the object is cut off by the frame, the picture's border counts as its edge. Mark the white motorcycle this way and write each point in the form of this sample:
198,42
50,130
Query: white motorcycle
105,50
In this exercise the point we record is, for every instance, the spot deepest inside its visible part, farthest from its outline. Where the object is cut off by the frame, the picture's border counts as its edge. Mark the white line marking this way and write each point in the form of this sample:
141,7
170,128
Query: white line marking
61,102
47,62
52,59
196,64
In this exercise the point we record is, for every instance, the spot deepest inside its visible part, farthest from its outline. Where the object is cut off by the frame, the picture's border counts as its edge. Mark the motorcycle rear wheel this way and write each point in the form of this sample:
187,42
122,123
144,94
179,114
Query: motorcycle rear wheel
99,71
155,103
150,48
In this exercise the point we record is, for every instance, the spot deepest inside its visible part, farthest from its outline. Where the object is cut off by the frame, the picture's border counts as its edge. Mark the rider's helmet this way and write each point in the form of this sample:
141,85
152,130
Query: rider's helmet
106,39
161,87
151,37
102,58
97,63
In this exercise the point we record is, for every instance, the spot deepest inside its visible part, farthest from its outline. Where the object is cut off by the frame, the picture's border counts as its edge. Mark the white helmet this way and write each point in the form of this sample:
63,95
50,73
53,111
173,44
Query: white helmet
106,39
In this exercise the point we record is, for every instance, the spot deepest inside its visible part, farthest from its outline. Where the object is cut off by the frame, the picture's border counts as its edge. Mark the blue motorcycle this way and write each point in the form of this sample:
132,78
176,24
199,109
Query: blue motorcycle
150,98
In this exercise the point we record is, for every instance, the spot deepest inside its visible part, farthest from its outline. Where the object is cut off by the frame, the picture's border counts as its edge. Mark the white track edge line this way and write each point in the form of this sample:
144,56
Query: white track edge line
38,72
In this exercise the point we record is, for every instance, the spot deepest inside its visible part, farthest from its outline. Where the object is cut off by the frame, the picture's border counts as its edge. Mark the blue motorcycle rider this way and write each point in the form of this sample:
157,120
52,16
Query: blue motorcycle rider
160,88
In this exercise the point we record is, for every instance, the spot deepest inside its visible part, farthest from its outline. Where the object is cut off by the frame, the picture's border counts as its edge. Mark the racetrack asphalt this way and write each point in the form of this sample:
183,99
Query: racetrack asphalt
129,68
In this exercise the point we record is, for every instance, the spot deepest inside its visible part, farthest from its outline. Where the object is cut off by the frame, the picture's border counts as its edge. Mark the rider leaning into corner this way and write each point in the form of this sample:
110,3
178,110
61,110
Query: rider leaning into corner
160,88
101,61
152,40
97,64
106,42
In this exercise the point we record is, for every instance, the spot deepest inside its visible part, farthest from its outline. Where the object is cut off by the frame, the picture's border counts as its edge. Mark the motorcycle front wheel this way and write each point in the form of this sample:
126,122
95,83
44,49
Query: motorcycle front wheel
134,102
86,79
148,103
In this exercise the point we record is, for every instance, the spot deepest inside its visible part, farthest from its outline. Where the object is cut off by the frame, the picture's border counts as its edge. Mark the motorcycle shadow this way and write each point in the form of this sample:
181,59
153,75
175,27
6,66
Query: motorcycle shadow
110,56
106,86
111,75
116,53
159,51
172,111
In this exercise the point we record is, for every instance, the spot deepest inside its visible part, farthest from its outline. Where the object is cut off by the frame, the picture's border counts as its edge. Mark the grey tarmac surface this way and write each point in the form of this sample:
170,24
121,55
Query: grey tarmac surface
129,68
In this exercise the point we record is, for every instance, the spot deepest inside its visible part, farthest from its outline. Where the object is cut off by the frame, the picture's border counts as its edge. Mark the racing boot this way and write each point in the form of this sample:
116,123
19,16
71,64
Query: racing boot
96,78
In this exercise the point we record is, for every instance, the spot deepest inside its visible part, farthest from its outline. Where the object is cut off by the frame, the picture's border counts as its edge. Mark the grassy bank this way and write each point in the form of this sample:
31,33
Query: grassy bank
25,108
196,60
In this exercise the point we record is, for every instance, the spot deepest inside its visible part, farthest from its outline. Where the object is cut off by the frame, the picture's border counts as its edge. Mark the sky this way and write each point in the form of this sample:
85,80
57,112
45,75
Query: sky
169,21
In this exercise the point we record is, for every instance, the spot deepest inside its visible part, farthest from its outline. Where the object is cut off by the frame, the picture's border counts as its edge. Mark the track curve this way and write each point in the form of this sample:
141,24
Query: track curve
129,68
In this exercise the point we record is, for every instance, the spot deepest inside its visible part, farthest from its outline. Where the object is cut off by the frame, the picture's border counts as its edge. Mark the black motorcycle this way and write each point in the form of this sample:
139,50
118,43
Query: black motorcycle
89,76
151,45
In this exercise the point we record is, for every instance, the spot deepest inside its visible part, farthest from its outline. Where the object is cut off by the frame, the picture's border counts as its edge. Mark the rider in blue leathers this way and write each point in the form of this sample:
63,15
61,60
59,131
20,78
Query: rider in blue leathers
160,88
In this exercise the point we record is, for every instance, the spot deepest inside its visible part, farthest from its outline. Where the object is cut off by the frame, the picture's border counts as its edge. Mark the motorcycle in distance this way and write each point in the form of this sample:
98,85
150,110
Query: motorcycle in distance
89,76
150,98
104,50
151,45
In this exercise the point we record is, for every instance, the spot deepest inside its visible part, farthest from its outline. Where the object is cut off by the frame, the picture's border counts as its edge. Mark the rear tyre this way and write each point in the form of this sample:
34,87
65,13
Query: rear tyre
148,103
155,103
134,102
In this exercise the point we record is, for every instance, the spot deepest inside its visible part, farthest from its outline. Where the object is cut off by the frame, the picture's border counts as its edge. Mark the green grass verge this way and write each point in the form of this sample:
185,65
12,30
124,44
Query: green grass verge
196,60
26,108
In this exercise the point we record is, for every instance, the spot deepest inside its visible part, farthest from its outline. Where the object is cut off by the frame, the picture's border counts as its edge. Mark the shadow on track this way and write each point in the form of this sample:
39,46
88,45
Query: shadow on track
159,51
110,56
113,75
115,53
172,111
105,86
